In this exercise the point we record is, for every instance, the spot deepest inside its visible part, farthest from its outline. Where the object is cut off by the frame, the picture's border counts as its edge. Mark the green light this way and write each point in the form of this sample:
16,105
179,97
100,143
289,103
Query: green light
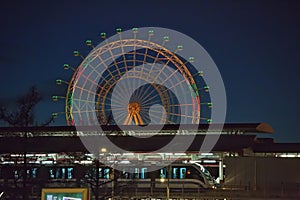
209,104
54,115
103,35
209,121
179,47
151,32
135,30
206,88
88,42
119,30
191,59
166,38
66,66
54,98
76,53
58,81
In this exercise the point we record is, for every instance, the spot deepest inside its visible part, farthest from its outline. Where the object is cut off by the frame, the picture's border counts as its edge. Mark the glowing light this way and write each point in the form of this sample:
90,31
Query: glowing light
209,104
200,73
76,53
88,42
119,30
135,30
207,154
58,81
54,98
66,66
103,35
209,161
191,59
151,32
206,88
179,47
166,38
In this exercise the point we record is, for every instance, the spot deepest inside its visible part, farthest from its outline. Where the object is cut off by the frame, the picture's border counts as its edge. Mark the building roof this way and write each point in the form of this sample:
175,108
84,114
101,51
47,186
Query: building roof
233,138
231,128
55,144
276,148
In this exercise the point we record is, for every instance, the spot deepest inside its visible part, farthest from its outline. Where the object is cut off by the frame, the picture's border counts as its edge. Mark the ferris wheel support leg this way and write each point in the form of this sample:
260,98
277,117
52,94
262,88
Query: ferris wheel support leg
140,119
136,121
128,119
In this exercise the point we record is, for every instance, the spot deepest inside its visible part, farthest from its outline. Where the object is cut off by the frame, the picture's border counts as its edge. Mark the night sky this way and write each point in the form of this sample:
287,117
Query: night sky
254,44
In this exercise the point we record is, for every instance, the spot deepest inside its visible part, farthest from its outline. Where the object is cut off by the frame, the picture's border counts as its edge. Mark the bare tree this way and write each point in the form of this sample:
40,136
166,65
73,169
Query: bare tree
23,116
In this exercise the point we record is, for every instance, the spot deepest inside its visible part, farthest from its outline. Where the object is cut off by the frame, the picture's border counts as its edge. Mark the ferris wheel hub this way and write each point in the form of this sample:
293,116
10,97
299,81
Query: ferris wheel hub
134,113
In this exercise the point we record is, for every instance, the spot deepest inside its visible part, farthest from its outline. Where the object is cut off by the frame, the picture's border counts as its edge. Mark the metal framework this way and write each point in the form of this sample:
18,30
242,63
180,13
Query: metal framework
148,62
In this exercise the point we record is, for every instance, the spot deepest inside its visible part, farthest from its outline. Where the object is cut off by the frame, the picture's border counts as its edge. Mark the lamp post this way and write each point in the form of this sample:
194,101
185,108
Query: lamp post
112,174
168,183
163,179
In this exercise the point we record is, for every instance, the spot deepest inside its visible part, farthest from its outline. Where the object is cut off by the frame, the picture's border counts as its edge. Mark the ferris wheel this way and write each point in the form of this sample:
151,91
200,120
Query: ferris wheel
135,81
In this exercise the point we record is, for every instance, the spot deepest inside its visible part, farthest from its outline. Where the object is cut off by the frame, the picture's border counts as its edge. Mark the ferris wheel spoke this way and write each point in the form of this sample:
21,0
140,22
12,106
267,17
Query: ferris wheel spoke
85,90
153,116
161,118
176,114
120,117
175,85
149,94
147,91
172,105
116,101
151,98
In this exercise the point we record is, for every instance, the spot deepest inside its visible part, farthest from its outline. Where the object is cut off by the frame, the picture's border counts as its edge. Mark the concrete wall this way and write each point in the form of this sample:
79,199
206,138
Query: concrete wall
263,173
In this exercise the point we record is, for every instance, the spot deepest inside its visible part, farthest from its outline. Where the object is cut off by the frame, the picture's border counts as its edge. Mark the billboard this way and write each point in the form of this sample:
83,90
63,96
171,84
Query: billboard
65,194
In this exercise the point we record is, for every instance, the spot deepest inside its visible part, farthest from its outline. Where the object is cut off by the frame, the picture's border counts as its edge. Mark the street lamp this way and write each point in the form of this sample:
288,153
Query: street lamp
163,179
112,175
103,150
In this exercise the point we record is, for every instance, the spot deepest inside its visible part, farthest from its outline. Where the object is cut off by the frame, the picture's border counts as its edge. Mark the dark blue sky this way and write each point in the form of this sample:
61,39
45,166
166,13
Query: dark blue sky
255,45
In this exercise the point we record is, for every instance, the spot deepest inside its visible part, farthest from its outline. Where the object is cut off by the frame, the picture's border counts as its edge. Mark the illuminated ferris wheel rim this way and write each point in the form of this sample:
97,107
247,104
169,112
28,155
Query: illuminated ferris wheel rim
138,44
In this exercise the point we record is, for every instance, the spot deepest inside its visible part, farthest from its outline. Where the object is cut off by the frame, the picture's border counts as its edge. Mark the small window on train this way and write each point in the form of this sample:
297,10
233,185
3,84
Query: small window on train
182,172
136,172
63,173
175,173
143,173
100,172
16,174
57,173
163,173
125,174
69,172
51,171
28,173
34,173
106,173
